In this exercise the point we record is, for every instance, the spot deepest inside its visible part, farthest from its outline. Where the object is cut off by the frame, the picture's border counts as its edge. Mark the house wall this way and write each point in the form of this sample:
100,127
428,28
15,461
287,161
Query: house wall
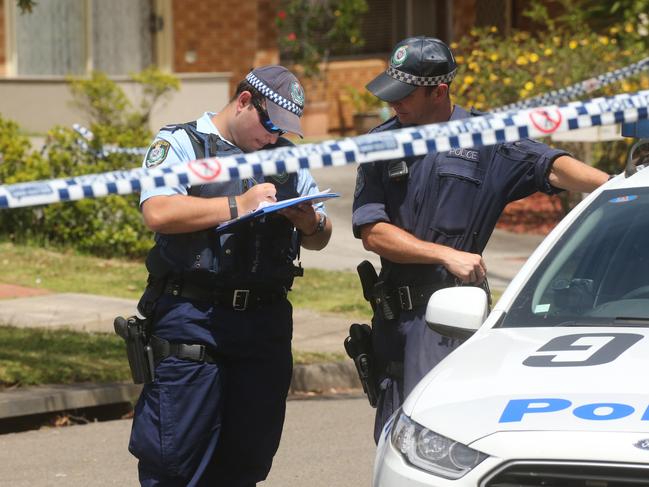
3,41
224,35
340,74
50,100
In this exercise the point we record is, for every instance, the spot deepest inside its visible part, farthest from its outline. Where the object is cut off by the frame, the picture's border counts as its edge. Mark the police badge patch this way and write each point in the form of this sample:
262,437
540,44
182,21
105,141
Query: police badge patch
360,182
157,153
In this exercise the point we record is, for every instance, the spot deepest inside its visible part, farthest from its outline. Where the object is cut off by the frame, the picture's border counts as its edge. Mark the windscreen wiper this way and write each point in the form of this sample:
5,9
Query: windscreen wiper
617,321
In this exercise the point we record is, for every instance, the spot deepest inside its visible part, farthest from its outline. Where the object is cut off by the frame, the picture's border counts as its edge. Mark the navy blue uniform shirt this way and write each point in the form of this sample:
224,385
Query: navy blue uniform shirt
452,198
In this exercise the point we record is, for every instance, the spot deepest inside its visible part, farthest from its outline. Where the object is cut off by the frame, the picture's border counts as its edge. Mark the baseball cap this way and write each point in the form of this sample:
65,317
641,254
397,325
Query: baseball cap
416,61
284,96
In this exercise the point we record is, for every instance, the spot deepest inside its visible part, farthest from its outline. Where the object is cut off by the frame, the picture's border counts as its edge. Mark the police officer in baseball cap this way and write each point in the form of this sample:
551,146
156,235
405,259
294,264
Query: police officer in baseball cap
219,318
430,217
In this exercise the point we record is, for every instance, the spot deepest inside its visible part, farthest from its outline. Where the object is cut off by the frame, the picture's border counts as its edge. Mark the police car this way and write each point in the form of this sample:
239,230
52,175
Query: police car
551,388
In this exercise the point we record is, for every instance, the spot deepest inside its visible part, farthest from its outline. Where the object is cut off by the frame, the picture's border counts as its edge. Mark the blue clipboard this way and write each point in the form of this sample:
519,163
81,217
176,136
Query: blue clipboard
273,207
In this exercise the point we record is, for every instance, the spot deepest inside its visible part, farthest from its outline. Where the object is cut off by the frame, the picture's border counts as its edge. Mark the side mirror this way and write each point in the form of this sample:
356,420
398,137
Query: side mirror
457,312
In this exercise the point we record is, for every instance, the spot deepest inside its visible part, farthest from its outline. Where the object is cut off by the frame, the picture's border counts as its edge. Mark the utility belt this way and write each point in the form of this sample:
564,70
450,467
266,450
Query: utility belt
145,351
237,299
389,300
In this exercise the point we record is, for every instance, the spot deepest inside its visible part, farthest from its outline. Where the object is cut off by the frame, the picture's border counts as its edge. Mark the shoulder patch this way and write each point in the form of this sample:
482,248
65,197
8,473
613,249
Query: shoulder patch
360,182
157,153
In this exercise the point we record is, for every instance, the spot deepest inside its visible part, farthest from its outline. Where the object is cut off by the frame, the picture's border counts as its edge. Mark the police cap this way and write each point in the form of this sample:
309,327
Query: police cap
284,96
416,61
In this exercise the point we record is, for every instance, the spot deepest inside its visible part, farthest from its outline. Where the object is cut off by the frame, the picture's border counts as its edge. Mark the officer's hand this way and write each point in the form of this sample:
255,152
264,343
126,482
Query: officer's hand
303,216
469,268
249,201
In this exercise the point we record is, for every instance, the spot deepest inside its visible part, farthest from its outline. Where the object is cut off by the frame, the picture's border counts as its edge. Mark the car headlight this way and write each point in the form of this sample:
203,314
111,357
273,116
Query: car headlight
434,453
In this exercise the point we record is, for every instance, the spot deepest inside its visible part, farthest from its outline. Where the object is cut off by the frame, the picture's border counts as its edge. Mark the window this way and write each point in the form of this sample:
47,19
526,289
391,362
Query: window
389,21
64,37
598,272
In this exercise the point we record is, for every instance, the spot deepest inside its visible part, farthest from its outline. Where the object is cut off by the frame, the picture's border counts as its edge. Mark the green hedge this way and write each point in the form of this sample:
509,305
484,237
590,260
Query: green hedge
110,226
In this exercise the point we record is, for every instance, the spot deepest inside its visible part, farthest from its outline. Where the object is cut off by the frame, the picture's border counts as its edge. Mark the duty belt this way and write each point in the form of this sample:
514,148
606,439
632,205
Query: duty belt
409,297
237,299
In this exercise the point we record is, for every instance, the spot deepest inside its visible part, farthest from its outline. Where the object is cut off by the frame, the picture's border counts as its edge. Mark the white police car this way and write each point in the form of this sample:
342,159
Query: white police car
553,388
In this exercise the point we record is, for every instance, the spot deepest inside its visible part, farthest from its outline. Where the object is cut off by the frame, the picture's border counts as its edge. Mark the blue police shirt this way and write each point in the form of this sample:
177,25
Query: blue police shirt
452,198
173,147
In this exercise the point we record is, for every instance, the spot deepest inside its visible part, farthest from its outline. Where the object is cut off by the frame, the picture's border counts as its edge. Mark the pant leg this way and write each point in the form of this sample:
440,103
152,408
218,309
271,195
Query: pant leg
388,344
177,423
424,349
410,341
253,416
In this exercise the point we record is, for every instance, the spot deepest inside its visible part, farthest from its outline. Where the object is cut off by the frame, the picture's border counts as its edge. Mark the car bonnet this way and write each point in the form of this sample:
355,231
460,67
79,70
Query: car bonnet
543,379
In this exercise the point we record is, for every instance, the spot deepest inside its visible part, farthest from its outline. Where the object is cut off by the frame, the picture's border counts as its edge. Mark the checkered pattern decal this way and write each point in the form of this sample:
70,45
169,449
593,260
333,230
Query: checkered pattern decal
410,141
411,79
273,96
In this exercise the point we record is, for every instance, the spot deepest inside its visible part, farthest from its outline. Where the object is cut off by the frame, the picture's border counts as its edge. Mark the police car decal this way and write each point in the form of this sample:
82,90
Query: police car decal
157,153
517,409
603,348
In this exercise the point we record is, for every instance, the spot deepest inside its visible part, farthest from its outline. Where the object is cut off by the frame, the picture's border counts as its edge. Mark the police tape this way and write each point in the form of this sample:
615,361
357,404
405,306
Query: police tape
551,98
578,89
488,129
87,136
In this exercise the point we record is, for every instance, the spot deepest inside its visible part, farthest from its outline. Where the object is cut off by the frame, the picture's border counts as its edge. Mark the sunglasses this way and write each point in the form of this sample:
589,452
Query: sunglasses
265,120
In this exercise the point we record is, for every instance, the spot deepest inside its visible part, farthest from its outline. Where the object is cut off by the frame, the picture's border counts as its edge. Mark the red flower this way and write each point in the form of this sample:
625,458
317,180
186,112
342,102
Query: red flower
291,36
281,15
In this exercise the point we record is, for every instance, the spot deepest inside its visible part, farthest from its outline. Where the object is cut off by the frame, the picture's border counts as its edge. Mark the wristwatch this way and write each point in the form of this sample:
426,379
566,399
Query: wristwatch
322,221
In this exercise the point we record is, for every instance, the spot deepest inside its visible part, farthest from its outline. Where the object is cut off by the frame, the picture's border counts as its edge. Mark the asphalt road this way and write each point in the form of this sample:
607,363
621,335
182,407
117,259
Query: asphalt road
327,442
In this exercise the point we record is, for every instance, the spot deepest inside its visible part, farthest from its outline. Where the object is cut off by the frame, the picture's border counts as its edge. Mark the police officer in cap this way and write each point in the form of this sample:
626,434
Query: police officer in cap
430,217
221,323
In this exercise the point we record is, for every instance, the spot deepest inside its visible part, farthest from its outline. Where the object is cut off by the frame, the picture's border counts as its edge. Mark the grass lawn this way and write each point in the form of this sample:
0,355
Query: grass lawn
31,356
61,271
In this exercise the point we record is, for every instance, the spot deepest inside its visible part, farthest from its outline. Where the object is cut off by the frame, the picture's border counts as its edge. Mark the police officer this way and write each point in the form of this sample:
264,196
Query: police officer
221,321
430,217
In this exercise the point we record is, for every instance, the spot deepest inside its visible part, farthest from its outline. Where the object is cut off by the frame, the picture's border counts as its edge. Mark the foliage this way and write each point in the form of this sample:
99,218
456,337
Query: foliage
26,6
496,70
597,14
310,30
106,226
363,101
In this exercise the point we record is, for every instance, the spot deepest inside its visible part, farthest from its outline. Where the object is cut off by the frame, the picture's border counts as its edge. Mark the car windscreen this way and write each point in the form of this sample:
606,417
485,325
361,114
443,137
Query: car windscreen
598,272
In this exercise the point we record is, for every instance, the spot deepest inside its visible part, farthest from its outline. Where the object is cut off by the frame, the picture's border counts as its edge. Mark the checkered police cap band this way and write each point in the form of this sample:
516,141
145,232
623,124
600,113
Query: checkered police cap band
273,96
411,79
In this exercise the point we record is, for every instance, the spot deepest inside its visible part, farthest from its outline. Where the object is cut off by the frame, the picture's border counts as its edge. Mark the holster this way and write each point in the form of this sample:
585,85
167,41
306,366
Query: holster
375,291
155,286
138,351
358,346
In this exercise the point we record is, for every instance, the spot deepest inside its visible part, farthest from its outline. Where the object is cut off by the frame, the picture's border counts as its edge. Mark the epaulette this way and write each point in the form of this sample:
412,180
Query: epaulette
391,123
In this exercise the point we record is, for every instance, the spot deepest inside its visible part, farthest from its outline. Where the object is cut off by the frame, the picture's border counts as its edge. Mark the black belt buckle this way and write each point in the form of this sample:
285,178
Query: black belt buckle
240,299
404,298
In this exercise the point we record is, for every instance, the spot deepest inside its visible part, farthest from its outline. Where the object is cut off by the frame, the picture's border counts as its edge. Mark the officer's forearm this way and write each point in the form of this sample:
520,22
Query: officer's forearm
397,245
318,240
573,175
182,214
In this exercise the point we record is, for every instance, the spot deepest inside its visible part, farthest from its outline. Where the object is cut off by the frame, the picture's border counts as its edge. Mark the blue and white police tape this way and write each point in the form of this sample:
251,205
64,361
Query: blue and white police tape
562,95
412,141
578,89
88,136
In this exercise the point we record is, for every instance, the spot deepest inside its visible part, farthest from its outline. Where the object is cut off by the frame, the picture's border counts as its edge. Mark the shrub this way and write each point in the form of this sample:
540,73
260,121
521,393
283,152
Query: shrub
110,226
497,70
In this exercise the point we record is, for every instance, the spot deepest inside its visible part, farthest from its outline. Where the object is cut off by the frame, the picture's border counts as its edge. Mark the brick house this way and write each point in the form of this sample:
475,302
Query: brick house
203,42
